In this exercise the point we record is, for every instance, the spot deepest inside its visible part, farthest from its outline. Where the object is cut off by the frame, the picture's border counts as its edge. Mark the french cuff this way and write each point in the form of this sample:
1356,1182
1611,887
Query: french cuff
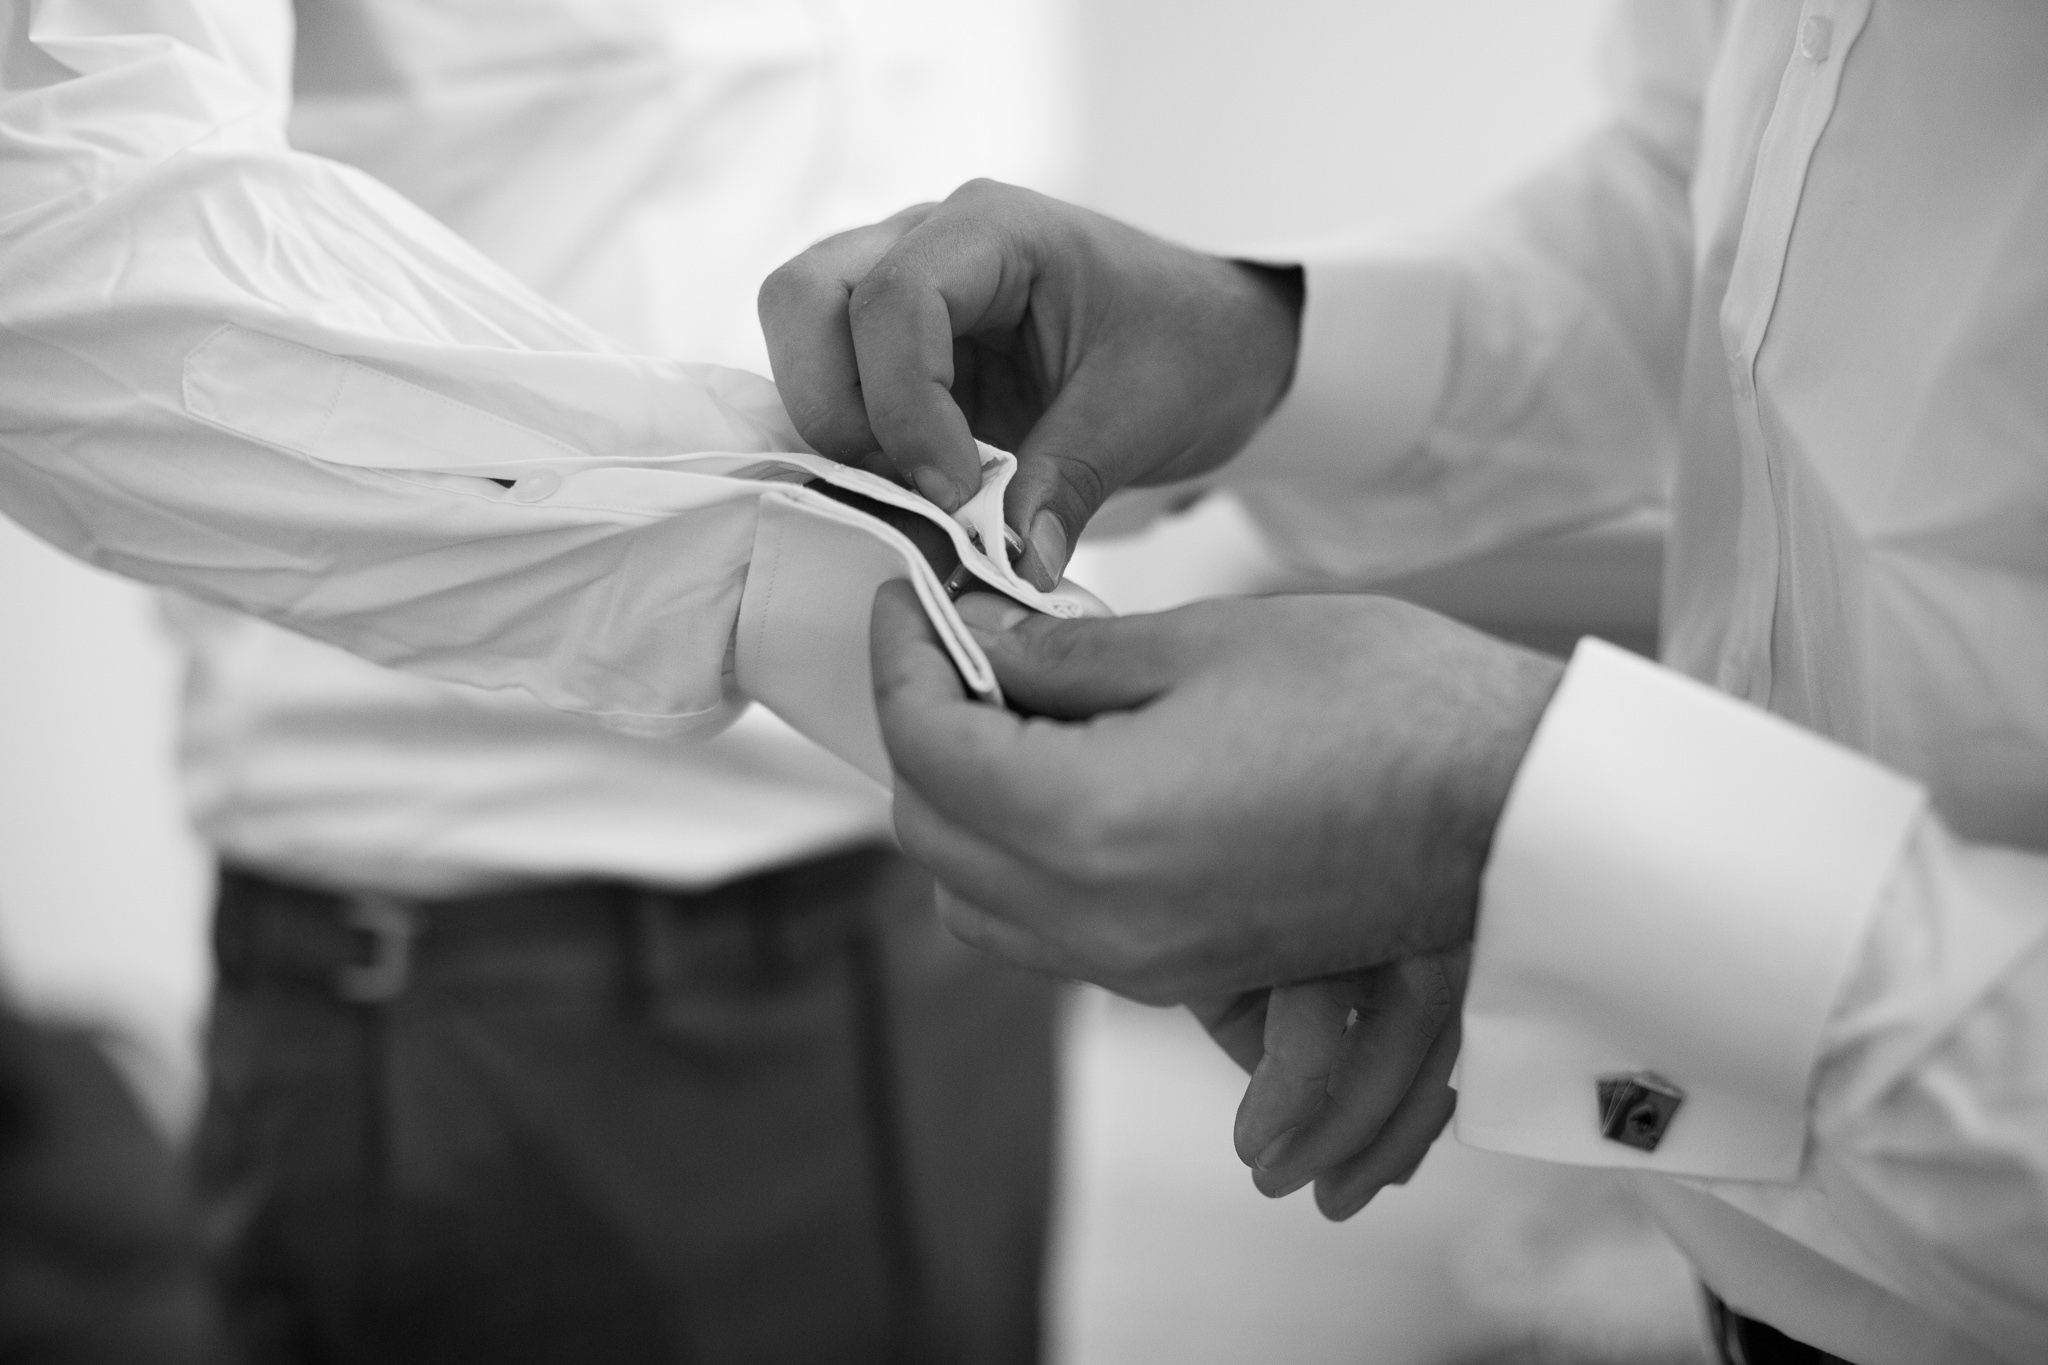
1678,886
1369,372
800,645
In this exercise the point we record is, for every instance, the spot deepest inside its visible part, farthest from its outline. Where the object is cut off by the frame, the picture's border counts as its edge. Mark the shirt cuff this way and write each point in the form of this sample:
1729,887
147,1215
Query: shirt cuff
1369,373
1678,885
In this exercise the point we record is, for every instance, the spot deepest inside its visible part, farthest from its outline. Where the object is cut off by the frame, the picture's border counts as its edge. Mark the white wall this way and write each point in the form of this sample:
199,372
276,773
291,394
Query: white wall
102,886
1234,123
1237,120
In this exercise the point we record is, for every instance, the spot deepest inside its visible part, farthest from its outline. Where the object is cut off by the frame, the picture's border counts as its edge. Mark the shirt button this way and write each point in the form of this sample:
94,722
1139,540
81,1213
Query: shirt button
1816,36
538,486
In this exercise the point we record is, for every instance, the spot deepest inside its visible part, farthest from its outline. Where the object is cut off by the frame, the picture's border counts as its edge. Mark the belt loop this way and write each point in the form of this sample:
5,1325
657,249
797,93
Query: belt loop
391,925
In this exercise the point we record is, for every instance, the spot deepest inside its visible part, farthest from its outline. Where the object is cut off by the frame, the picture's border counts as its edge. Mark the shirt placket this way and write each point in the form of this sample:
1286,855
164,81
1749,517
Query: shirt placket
1806,98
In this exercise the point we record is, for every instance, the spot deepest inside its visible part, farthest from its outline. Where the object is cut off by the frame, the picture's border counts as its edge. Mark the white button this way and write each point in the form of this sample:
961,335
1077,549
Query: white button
1816,36
538,486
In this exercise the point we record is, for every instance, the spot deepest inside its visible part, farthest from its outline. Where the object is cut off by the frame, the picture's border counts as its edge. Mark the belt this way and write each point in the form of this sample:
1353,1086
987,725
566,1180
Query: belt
616,942
368,948
1745,1341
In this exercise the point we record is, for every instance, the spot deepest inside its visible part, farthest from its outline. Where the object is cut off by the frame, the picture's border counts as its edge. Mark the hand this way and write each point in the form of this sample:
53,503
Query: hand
1211,799
1350,1076
1353,1080
1100,355
1236,1022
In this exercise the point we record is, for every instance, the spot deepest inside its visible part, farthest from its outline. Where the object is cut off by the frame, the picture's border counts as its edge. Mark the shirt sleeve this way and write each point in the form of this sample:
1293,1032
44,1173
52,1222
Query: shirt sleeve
270,382
1851,1001
1456,393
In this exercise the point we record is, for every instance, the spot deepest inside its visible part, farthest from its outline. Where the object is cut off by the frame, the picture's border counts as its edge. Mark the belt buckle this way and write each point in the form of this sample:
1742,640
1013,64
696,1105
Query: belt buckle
391,926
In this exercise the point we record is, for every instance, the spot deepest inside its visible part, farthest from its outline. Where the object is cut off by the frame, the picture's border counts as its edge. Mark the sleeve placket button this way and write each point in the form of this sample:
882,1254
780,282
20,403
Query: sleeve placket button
1816,37
538,486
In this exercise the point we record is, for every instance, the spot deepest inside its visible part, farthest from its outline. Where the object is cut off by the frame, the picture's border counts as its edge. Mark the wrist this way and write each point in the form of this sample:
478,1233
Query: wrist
1274,295
1497,746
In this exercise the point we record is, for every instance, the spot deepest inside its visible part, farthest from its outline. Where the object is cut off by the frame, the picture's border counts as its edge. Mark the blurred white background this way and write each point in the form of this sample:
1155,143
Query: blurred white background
1219,121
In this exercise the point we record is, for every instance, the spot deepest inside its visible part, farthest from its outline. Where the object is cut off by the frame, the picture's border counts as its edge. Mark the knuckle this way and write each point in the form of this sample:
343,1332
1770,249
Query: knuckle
1429,988
785,285
799,287
982,187
1090,830
884,283
1081,488
829,427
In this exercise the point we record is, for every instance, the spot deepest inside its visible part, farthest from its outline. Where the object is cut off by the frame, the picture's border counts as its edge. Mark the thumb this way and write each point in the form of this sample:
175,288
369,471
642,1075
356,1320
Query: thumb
1304,1033
1071,670
1089,443
1238,1024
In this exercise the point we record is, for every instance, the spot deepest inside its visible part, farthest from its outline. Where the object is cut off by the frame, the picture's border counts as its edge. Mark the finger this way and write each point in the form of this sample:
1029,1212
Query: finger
1403,1008
950,276
1401,1144
1303,1035
1238,1024
1026,912
1089,440
803,309
990,613
983,766
981,874
1072,670
996,936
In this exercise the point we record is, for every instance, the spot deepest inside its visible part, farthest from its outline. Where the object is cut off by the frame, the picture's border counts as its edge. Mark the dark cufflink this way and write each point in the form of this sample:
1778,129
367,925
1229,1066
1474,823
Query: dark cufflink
1635,1109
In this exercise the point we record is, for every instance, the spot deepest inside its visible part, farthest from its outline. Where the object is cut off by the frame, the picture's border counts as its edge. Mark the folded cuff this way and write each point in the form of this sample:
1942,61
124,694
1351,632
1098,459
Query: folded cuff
1369,373
1678,886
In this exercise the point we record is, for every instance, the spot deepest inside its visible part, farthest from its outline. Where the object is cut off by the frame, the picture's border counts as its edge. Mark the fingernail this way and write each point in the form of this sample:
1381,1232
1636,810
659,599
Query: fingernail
987,614
1049,539
1276,1151
1289,1188
937,488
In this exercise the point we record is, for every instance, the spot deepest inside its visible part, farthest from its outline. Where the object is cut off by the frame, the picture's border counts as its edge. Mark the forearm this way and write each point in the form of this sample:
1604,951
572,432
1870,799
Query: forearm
1517,375
269,382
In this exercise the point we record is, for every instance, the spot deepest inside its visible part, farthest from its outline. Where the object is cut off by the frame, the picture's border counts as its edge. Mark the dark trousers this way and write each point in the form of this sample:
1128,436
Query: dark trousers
787,1120
97,1259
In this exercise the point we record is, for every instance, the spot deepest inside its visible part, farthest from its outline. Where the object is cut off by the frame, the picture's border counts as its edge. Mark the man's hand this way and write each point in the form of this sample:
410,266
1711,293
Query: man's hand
1354,1082
1350,1076
1099,354
1214,799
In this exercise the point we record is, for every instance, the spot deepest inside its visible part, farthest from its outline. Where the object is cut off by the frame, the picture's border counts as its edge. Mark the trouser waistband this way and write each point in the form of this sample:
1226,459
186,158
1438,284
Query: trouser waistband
368,948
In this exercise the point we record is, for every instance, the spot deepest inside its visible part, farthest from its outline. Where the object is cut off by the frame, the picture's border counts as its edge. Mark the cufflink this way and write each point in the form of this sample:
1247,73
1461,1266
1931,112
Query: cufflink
1636,1108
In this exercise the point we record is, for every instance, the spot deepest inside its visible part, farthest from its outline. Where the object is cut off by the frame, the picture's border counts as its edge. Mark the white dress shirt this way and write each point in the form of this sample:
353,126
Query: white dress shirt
1801,279
213,257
